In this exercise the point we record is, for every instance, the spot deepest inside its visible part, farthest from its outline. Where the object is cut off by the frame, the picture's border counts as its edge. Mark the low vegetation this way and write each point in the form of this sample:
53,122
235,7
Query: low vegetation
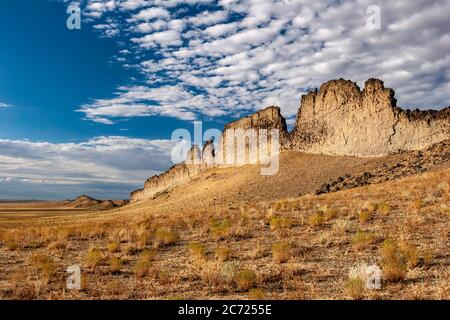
299,248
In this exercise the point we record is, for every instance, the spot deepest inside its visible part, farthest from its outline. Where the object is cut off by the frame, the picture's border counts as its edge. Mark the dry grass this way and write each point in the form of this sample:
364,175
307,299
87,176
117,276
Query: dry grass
365,215
245,279
355,288
394,263
144,264
115,264
222,253
198,250
94,257
302,249
220,229
166,237
281,251
316,219
44,265
363,240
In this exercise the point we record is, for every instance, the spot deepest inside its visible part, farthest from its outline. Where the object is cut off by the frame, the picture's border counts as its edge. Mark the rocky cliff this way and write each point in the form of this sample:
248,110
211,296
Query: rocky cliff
341,119
337,119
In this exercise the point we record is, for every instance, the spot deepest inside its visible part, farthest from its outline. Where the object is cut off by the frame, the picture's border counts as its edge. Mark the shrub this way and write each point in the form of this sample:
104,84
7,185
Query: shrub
356,283
331,213
278,223
365,215
197,250
355,288
12,245
94,257
427,257
44,265
115,264
113,247
418,204
222,253
229,270
316,219
256,294
393,261
210,273
410,253
385,208
362,240
281,251
166,237
220,229
371,207
58,245
143,265
245,279
341,226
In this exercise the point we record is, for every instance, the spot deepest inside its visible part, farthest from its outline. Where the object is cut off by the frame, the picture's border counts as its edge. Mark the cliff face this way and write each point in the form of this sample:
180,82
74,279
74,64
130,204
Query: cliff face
245,137
341,119
337,119
225,155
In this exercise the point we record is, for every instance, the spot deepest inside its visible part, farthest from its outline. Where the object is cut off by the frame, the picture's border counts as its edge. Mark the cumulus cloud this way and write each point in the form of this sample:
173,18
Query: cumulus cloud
235,55
102,165
4,105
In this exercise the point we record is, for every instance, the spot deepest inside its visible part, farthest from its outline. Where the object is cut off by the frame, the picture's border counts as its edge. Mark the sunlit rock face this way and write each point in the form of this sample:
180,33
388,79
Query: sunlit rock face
341,119
337,119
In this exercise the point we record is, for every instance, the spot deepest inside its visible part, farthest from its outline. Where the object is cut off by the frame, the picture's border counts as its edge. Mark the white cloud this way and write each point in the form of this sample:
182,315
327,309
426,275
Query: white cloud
152,13
4,105
237,55
102,161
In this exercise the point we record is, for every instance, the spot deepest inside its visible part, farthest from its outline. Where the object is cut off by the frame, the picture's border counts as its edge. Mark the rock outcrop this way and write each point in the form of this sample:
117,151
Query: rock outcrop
341,119
86,202
337,119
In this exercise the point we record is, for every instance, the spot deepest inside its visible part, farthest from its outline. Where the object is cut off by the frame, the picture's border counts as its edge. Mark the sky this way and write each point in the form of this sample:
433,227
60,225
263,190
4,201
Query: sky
92,110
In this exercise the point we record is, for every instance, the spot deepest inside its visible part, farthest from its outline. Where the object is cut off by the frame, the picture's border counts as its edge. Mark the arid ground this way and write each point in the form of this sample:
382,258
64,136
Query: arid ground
236,235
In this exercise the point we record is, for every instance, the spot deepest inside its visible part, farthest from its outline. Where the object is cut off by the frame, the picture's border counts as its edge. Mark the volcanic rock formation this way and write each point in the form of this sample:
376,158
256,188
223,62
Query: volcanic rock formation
337,119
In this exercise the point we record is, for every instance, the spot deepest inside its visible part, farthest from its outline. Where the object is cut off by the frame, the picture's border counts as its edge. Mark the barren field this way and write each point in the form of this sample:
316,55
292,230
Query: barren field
293,248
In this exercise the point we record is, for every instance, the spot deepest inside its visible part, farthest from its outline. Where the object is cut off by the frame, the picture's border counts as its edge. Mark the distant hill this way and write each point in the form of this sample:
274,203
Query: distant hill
87,202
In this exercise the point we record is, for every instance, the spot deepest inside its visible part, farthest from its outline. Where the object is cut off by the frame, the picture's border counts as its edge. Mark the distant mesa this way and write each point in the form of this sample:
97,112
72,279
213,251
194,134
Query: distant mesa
87,202
338,119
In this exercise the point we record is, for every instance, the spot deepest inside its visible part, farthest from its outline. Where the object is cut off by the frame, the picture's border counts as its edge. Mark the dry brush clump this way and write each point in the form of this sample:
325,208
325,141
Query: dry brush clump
220,229
245,279
394,263
94,257
341,226
316,219
166,237
197,250
356,282
44,265
116,264
281,251
362,240
278,223
222,253
143,266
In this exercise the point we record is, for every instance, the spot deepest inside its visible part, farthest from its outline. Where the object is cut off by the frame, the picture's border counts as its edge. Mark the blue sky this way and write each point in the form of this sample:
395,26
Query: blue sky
92,110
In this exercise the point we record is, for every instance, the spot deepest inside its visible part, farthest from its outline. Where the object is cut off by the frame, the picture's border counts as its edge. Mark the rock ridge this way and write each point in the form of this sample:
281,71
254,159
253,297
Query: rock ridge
337,119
